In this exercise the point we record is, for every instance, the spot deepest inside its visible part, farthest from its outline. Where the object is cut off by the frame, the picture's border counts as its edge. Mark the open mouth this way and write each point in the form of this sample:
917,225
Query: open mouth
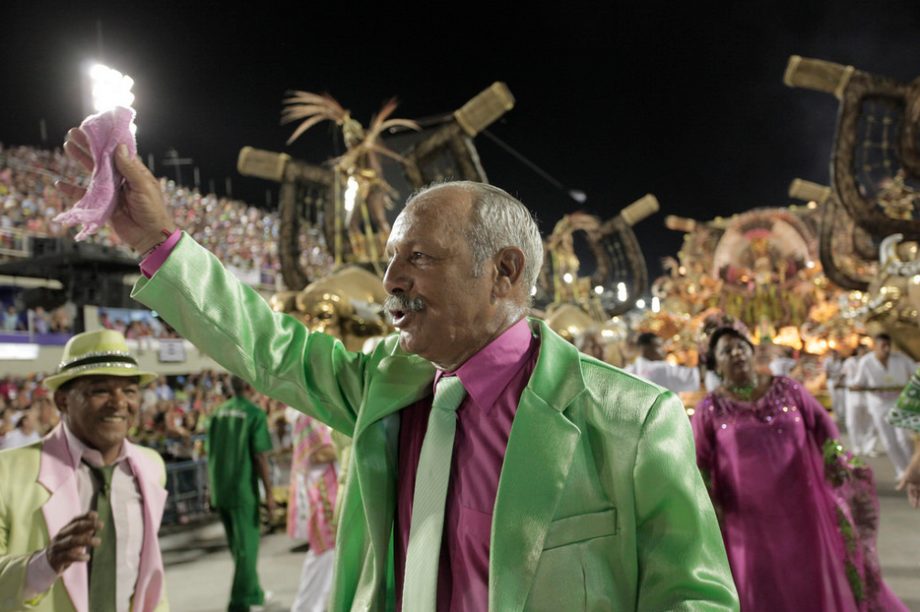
397,316
400,307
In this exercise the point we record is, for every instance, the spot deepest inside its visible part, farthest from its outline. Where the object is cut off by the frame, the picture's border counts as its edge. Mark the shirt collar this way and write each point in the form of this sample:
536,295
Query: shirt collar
81,452
486,374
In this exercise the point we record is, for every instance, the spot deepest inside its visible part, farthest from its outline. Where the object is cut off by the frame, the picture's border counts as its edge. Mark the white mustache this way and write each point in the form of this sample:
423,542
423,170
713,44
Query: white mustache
402,303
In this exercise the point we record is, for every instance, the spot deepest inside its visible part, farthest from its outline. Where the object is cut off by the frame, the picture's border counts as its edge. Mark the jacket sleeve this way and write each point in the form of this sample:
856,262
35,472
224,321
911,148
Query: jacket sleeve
682,560
13,566
206,304
13,578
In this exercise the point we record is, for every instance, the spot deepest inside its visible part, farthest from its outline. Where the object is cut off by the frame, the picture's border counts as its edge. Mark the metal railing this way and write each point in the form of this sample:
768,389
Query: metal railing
188,491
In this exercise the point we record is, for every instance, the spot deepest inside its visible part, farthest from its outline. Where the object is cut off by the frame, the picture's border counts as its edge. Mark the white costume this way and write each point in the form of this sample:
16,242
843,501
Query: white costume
673,377
712,381
871,373
833,367
859,424
782,366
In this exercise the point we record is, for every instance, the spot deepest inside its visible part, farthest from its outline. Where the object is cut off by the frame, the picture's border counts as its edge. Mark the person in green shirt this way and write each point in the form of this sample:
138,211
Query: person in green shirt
237,443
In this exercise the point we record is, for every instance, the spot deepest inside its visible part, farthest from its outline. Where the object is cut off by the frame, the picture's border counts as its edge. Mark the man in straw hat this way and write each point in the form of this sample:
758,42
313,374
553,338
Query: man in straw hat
64,499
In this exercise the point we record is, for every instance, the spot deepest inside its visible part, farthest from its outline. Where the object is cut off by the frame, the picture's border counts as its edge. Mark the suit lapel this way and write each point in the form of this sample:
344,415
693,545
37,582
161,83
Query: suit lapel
534,472
149,587
58,474
399,381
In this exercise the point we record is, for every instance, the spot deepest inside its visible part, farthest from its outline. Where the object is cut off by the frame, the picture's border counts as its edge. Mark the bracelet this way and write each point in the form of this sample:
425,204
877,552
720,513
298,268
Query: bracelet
150,251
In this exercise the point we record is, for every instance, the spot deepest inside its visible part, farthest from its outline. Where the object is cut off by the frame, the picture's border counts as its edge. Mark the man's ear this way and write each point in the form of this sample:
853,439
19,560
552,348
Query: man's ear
509,270
60,400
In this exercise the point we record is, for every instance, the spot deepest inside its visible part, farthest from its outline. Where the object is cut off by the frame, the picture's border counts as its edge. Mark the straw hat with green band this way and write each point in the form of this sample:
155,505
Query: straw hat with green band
97,353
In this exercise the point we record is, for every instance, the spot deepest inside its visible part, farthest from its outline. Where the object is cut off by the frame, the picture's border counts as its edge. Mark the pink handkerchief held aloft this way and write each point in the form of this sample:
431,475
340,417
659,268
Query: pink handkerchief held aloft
105,131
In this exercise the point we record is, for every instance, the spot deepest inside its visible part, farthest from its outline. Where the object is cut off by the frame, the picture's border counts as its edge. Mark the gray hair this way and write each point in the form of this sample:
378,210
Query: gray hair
499,220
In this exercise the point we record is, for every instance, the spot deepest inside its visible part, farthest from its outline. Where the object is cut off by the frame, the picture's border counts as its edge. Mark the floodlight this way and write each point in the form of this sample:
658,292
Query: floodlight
110,88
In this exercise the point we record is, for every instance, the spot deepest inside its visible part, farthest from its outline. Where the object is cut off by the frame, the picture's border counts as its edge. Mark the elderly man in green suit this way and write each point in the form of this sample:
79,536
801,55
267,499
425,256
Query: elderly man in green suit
542,480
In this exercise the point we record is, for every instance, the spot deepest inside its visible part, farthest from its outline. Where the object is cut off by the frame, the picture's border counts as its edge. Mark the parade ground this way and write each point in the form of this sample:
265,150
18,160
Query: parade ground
199,569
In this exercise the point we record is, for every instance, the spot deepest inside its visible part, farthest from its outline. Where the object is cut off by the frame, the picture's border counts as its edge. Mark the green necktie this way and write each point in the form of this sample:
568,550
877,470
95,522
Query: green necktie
102,565
420,587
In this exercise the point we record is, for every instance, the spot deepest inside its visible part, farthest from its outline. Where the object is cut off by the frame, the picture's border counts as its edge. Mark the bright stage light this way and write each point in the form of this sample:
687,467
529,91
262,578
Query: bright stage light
598,290
110,88
567,277
351,192
640,303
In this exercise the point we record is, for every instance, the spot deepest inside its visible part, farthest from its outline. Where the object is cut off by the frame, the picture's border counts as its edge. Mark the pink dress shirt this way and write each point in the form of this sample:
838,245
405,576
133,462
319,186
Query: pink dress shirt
153,261
494,379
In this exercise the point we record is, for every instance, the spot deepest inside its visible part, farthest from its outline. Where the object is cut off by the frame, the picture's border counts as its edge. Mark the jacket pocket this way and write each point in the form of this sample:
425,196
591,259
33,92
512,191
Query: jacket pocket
581,527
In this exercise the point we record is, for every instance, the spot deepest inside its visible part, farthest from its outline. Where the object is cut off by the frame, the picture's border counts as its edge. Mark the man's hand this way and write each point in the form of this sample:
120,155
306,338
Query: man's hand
71,542
140,217
270,504
911,481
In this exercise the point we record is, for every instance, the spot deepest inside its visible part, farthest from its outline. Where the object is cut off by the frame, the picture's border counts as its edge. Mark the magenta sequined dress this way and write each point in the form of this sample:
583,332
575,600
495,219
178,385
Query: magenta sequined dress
795,541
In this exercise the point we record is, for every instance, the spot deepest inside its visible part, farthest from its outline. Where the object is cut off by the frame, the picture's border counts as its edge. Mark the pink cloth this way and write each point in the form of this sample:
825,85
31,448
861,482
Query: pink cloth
780,516
105,131
494,379
313,488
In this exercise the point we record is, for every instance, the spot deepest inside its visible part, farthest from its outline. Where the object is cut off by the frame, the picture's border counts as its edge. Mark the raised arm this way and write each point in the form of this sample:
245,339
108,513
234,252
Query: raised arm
233,324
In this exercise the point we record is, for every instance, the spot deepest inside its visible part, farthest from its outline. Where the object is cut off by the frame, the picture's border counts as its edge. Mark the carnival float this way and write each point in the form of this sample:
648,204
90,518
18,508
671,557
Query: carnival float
806,276
875,178
336,217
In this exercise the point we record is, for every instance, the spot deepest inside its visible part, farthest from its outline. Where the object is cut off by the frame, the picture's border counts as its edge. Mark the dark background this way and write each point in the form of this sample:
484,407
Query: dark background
684,100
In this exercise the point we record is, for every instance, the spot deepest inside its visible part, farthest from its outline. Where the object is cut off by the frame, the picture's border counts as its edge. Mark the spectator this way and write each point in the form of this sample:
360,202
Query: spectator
47,414
24,433
10,320
651,365
40,323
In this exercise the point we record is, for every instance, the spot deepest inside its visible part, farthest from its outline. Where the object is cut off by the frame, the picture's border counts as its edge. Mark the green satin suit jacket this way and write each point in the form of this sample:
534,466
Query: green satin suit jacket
600,505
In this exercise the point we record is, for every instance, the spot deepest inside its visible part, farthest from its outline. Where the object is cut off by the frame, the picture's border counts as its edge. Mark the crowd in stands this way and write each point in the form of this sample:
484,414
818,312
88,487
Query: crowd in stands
242,236
173,410
172,416
239,234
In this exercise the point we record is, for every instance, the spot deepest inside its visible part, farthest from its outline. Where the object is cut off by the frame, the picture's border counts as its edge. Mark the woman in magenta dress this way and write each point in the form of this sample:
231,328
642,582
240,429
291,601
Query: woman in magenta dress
798,516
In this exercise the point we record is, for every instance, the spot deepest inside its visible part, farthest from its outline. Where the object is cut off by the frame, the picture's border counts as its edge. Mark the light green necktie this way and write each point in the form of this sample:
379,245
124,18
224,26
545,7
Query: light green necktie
420,587
102,565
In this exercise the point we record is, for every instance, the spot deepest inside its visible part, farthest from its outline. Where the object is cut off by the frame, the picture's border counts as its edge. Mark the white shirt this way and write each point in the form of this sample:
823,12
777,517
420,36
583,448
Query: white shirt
833,366
127,512
712,381
673,377
850,365
871,373
781,366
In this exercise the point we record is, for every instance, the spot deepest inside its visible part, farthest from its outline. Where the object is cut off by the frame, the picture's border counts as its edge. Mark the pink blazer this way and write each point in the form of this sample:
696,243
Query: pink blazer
57,474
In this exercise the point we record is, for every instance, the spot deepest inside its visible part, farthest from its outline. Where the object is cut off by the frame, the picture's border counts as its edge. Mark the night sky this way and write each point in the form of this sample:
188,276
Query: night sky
683,100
